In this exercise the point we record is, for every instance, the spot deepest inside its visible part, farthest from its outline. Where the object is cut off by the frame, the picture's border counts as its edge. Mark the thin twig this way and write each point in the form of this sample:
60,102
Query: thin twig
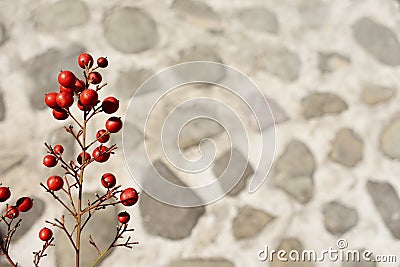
91,242
41,253
58,199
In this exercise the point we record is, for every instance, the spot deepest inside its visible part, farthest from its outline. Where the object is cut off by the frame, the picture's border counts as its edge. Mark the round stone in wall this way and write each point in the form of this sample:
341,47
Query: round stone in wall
131,30
165,220
347,148
62,14
249,222
390,139
373,94
320,104
281,63
294,171
387,202
338,218
331,61
259,19
377,40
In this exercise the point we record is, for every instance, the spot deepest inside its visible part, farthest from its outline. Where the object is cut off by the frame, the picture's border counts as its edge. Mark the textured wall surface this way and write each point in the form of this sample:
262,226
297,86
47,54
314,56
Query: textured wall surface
329,68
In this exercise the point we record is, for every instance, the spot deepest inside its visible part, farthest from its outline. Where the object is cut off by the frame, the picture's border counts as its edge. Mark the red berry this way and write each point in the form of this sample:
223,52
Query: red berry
81,156
95,77
67,90
12,212
60,114
51,99
84,60
66,78
110,105
49,161
113,124
99,154
129,197
123,217
5,193
82,107
55,183
102,136
108,180
89,97
58,149
65,100
24,204
102,62
79,85
45,234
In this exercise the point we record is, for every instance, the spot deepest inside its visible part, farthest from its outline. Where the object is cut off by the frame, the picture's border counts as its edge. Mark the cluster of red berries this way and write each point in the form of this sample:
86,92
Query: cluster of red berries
87,99
23,204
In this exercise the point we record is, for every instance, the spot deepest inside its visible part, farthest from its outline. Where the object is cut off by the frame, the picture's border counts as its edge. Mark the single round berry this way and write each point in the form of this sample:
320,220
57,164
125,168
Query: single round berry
95,77
5,193
102,62
49,161
58,149
113,124
89,97
110,105
51,99
45,234
81,156
66,78
100,155
129,197
79,86
123,217
12,212
82,107
102,136
55,183
108,180
84,60
67,90
60,114
65,100
24,204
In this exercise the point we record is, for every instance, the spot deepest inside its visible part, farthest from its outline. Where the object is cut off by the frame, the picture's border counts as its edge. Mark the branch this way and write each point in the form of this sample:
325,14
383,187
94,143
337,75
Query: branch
91,242
61,225
59,200
40,254
5,243
121,229
70,129
72,116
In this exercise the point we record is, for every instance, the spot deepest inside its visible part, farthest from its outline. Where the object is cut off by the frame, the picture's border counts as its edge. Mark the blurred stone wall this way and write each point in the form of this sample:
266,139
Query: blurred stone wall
329,68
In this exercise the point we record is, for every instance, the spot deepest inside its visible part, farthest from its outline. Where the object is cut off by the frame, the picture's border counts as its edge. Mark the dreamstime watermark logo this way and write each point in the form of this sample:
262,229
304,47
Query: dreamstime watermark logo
339,254
143,106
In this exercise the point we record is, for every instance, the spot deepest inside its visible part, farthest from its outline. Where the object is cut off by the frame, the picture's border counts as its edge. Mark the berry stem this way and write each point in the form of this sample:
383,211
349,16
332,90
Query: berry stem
121,229
6,241
80,189
40,254
5,253
59,200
